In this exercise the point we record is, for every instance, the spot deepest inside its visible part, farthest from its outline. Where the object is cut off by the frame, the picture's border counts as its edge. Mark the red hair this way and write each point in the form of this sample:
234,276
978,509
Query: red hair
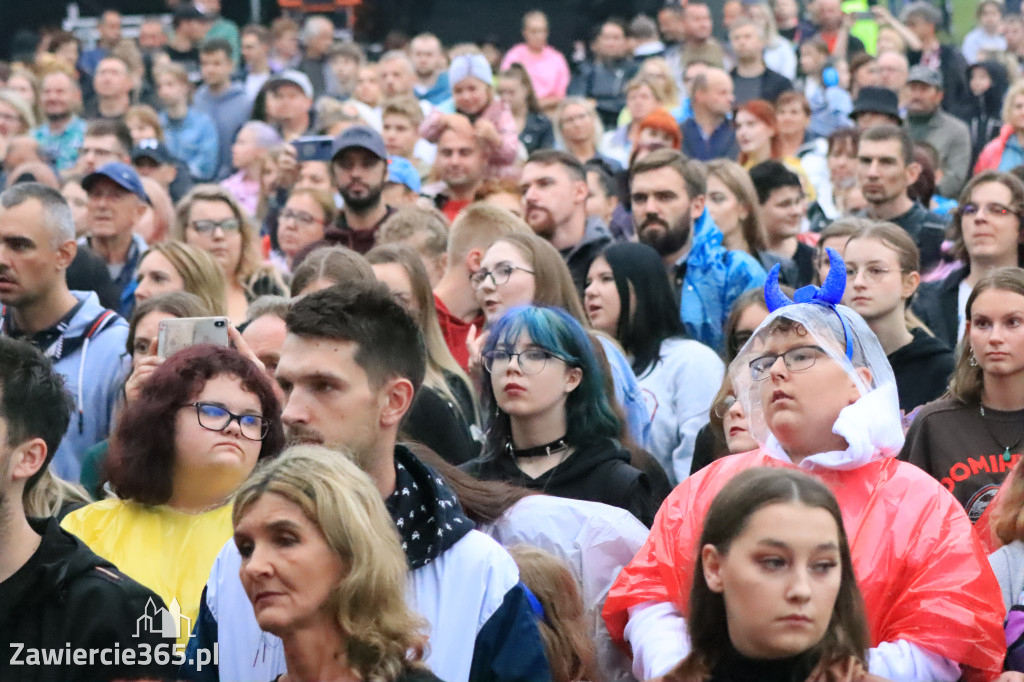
765,112
663,122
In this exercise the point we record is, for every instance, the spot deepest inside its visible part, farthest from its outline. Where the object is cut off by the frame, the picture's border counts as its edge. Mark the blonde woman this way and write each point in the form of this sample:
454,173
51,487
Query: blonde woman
578,130
1006,151
335,593
658,70
174,266
210,218
643,96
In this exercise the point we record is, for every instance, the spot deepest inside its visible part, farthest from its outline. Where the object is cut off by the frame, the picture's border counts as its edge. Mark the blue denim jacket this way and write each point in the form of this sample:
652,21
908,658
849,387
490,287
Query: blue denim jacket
193,139
714,278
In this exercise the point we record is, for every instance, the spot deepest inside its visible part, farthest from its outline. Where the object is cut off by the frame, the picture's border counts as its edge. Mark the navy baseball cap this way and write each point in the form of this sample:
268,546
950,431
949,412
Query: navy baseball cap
362,137
154,150
121,174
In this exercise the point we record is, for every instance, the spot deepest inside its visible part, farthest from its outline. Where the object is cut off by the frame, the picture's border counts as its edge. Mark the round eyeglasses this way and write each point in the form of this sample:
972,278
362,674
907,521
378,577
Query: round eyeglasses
530,361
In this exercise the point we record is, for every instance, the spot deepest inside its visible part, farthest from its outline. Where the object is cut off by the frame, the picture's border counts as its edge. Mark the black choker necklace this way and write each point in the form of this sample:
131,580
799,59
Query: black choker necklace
555,447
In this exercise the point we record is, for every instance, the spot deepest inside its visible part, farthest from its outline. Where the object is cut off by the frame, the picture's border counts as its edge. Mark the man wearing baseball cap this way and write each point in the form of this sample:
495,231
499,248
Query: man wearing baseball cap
359,162
117,201
927,122
289,99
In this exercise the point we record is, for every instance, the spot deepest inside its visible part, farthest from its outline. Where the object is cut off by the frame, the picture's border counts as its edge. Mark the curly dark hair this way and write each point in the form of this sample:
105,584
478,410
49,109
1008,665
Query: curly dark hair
142,447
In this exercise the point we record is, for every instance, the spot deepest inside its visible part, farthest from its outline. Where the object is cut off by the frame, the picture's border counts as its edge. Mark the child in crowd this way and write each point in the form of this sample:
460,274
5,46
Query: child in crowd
471,77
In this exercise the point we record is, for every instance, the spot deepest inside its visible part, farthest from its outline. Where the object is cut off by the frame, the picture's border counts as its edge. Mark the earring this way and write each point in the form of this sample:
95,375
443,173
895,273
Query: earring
972,361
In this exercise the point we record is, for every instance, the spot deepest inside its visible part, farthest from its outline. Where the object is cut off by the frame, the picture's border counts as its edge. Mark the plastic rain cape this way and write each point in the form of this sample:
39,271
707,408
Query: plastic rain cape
924,576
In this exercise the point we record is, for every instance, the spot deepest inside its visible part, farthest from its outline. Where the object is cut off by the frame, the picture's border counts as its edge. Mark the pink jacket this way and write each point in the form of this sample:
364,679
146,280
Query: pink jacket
501,157
992,153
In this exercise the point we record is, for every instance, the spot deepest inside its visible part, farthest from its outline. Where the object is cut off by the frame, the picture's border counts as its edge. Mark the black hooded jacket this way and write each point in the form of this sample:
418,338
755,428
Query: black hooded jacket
67,599
598,472
985,112
922,369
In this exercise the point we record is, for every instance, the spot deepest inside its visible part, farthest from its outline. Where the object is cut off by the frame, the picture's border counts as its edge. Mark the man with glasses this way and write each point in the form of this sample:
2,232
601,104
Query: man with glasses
554,188
116,202
84,340
104,141
359,161
885,169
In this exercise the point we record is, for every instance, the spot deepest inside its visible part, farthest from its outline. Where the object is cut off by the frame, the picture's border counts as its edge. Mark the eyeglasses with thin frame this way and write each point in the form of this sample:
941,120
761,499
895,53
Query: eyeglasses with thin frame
723,406
530,361
872,273
210,226
499,274
215,417
991,208
796,360
300,217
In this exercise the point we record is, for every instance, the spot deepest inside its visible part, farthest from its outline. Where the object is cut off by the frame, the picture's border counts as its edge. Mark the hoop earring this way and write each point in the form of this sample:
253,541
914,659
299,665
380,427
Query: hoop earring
972,361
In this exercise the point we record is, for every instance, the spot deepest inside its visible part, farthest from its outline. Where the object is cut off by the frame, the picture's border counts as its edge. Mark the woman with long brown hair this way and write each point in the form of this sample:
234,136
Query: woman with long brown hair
775,536
970,438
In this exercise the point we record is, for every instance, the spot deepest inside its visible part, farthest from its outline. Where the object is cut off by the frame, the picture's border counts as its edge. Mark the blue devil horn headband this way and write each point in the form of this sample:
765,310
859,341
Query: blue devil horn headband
829,294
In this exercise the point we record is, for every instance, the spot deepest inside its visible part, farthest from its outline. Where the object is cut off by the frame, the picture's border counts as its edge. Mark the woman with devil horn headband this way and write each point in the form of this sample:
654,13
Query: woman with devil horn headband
821,397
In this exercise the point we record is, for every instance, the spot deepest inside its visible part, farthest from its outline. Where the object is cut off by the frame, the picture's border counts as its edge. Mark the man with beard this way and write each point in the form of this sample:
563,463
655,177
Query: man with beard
885,169
927,122
351,364
460,166
360,164
63,132
554,188
667,192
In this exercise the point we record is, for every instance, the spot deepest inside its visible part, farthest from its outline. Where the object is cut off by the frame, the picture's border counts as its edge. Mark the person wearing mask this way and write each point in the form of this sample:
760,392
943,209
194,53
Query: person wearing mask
668,194
885,169
946,133
978,420
629,298
821,397
882,275
358,337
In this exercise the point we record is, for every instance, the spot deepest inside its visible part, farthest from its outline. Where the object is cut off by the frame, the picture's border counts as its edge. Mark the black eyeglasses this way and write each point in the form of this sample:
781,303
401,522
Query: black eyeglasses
499,275
209,226
796,360
531,360
217,418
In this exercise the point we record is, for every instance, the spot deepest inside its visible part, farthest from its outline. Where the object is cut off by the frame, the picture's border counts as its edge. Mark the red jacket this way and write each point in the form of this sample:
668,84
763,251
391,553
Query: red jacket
992,153
924,575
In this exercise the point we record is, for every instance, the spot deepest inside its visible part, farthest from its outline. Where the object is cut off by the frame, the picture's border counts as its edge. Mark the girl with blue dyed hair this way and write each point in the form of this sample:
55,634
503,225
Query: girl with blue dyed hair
551,427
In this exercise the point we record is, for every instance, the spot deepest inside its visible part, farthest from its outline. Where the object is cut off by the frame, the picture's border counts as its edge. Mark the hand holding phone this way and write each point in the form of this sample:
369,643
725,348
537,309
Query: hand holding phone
180,333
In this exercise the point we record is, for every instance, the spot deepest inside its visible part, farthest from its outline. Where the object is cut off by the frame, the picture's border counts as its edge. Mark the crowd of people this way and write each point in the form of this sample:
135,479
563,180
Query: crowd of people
674,358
